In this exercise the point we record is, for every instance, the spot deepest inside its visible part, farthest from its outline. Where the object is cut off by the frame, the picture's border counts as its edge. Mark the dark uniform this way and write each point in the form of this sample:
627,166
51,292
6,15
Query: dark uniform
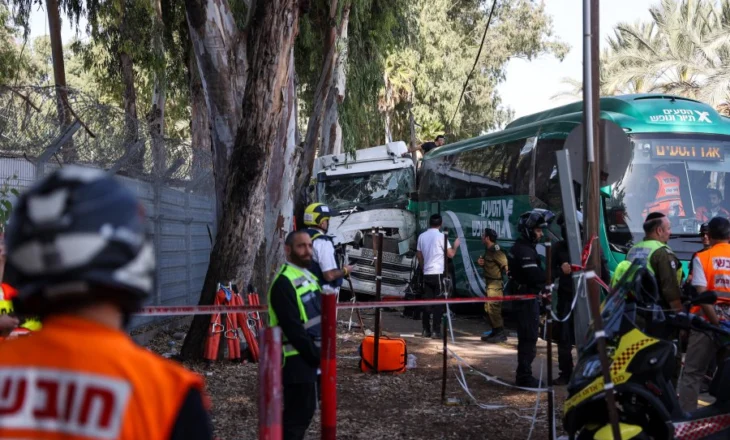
527,273
295,304
495,265
668,272
564,330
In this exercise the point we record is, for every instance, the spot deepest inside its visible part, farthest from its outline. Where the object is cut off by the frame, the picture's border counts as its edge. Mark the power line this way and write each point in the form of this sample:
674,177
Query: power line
476,61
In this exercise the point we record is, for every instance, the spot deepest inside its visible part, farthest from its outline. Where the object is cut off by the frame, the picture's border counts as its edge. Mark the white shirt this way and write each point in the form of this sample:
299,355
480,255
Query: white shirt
431,245
324,254
698,273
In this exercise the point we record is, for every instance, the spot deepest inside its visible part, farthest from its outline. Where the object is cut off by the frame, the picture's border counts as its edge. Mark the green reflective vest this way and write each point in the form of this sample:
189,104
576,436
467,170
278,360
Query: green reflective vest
308,300
644,250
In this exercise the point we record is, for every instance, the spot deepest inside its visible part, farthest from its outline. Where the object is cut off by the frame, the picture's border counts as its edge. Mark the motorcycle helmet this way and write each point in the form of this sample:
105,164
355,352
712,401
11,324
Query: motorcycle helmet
316,213
78,237
537,218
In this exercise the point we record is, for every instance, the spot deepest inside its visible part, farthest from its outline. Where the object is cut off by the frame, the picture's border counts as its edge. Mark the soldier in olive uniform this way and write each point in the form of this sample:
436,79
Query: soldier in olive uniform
494,262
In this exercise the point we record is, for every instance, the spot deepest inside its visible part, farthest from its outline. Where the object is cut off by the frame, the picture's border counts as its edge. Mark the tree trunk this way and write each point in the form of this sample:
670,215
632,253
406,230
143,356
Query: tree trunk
388,134
331,129
271,37
129,97
199,124
314,125
280,186
156,116
59,77
220,51
412,121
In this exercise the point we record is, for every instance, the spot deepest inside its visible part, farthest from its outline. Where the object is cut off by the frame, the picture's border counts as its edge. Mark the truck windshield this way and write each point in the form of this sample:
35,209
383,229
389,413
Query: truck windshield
343,192
682,176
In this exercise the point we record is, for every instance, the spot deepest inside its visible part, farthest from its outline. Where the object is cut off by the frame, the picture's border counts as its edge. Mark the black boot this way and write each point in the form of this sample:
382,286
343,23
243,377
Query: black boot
497,336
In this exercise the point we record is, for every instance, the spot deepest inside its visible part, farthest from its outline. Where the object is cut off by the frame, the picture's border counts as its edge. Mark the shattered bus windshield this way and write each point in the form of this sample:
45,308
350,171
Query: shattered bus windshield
683,176
365,190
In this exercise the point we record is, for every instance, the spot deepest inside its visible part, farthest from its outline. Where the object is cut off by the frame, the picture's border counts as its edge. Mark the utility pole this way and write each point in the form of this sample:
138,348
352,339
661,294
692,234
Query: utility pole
591,112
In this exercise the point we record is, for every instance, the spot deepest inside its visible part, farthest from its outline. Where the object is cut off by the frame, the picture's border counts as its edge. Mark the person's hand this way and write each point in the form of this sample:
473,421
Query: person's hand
8,324
456,243
480,261
348,270
565,267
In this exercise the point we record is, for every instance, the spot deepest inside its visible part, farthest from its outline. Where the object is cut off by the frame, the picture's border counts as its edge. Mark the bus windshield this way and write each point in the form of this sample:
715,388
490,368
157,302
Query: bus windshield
682,176
366,190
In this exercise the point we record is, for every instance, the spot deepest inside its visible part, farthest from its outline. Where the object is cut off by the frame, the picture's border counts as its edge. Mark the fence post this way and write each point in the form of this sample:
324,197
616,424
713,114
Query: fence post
188,252
270,391
328,364
378,281
157,191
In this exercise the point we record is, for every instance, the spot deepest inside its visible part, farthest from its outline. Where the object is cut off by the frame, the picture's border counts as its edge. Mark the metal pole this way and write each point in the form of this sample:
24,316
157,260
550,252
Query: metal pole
328,364
445,354
581,314
591,89
270,392
549,340
378,280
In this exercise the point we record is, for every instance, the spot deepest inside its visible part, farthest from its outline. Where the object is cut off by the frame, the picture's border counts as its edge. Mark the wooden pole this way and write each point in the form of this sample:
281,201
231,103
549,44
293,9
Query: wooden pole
549,340
328,363
591,92
378,279
445,358
270,389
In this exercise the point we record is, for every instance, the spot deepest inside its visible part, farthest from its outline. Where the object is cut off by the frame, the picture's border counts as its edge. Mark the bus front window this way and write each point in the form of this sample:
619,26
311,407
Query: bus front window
683,176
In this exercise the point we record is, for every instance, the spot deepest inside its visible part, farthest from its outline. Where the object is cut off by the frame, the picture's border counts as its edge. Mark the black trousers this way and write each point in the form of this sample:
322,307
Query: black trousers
527,331
300,401
431,290
566,335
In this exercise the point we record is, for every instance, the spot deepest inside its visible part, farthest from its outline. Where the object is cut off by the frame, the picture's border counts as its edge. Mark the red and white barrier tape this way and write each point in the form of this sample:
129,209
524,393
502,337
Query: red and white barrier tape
211,310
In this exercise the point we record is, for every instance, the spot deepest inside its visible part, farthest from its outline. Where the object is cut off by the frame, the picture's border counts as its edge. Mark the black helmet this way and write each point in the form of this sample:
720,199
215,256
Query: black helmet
537,218
77,237
491,234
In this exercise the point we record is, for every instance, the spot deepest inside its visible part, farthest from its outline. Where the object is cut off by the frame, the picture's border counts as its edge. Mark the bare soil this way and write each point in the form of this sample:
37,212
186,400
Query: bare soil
405,406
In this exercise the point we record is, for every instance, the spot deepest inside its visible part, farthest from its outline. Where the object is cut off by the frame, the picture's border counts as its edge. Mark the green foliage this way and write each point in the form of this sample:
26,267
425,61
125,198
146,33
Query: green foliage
447,44
417,54
683,49
14,60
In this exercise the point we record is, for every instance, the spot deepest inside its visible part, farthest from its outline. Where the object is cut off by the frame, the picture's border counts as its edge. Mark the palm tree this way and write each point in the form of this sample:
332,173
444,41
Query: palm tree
683,50
398,77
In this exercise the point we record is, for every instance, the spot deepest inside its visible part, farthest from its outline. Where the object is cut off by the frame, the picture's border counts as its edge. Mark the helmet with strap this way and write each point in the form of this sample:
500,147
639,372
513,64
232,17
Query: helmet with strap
530,220
78,237
316,213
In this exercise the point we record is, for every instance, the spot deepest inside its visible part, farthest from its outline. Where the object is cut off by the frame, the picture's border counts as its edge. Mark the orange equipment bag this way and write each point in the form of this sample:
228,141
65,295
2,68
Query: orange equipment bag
392,355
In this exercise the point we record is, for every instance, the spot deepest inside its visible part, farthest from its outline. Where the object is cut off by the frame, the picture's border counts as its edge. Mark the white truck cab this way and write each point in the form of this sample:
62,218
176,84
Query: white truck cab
369,192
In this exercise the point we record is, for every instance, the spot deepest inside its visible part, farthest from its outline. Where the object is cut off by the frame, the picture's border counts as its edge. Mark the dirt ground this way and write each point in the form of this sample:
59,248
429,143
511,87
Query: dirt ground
405,406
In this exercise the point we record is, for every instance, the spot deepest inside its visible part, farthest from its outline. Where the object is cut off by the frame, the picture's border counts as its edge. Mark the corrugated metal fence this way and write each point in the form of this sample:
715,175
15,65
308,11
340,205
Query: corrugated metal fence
178,223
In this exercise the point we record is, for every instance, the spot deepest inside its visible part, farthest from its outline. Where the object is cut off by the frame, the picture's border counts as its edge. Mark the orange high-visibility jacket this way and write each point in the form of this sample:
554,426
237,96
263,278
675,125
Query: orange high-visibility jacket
667,196
79,380
716,265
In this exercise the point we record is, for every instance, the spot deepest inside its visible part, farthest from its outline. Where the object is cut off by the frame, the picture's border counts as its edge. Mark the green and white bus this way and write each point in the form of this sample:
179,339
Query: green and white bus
490,180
